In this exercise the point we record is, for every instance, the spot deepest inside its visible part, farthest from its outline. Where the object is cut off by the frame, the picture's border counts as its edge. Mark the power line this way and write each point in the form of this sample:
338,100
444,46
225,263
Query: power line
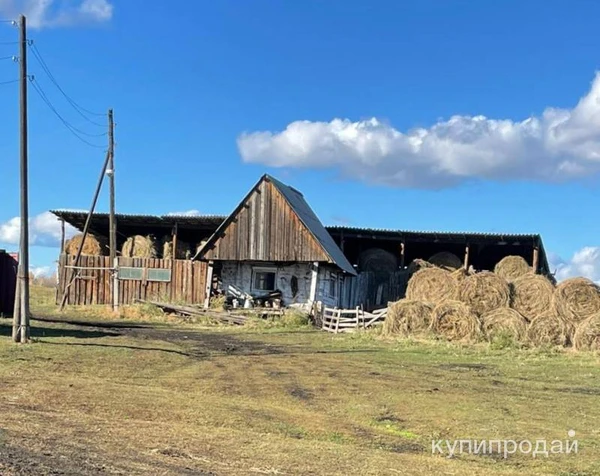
76,132
80,109
7,57
9,42
9,82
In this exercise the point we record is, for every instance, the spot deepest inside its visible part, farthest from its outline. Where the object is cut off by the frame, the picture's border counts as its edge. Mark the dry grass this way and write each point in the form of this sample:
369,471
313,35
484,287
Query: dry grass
504,322
576,299
407,318
549,329
587,334
531,295
139,247
484,292
433,285
417,265
455,321
446,260
91,246
191,400
512,267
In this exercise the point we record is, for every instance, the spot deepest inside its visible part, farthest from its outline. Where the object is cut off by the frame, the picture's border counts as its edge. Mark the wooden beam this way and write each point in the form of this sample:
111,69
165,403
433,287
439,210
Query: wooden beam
174,255
209,279
62,236
313,282
536,259
467,251
402,255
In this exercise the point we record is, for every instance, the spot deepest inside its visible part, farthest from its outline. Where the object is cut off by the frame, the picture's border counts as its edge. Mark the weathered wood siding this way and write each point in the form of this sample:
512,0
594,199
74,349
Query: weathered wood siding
266,229
8,281
372,290
94,286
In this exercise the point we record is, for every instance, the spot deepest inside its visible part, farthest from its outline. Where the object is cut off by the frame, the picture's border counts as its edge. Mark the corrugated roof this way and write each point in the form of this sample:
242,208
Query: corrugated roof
430,232
296,200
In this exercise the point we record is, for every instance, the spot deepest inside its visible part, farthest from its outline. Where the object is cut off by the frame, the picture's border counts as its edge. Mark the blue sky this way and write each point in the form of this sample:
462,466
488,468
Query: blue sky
208,95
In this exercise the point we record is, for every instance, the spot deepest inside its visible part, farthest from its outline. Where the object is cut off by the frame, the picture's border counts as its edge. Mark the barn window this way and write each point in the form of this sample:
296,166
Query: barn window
264,279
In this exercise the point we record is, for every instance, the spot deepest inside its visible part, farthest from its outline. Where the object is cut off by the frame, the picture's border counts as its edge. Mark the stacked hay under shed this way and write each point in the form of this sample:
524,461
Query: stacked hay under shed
446,260
92,246
139,247
512,301
184,249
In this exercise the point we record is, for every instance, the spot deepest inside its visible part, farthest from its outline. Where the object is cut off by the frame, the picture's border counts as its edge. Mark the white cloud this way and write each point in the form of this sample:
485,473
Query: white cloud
58,13
585,262
559,144
44,230
187,213
42,271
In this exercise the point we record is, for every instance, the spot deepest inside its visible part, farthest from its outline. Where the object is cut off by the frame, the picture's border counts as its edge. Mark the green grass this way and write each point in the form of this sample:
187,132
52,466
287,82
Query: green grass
238,400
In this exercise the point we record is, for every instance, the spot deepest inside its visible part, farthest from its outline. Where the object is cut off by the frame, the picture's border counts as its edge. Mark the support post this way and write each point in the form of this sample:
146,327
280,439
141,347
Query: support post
174,253
467,252
24,244
62,236
209,278
111,180
115,284
536,259
402,256
313,282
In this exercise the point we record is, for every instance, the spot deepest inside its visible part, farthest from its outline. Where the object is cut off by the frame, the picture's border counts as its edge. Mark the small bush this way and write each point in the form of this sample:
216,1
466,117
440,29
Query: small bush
295,318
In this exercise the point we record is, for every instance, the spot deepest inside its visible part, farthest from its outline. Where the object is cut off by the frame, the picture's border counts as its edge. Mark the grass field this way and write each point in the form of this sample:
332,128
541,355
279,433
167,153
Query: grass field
149,396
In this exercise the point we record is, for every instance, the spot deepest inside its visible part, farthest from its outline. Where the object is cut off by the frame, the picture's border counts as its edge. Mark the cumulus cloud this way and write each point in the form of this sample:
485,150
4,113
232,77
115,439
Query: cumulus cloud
58,13
559,144
44,230
187,213
42,271
585,262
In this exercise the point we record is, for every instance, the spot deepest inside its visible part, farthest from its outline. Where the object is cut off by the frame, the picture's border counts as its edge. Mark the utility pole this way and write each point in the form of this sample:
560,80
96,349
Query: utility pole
111,175
23,333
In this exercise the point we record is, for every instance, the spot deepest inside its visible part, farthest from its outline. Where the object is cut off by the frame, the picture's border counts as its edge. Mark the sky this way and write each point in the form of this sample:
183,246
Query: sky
429,115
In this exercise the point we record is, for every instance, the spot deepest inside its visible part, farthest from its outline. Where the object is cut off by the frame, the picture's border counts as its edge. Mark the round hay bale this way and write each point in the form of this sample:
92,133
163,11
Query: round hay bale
456,321
549,328
531,294
432,285
183,249
587,334
378,261
139,247
446,260
512,267
576,299
484,292
91,245
417,265
460,275
407,317
504,320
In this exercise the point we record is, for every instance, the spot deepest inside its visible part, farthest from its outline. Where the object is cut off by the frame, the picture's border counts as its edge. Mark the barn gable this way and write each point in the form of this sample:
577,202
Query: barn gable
274,223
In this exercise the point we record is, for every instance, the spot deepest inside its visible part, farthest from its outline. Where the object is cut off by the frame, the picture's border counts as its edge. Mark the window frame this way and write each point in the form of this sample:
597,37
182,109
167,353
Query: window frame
263,269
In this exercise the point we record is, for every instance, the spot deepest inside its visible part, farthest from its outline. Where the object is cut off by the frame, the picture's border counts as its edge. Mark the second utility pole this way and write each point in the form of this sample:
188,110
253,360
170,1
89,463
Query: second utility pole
111,175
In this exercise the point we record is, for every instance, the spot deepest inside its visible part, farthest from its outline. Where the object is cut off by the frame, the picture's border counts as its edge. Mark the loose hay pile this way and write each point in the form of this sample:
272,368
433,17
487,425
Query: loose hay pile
183,249
91,245
433,285
512,267
587,334
446,260
484,292
139,247
549,328
455,321
577,299
417,265
407,317
504,321
531,295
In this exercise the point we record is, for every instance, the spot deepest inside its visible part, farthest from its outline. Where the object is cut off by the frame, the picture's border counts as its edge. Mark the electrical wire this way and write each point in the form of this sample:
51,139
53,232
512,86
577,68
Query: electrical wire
7,57
9,43
80,109
9,82
70,127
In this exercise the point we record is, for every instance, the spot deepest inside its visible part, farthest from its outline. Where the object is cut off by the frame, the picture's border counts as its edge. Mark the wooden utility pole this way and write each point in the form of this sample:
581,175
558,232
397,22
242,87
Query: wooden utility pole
111,175
22,334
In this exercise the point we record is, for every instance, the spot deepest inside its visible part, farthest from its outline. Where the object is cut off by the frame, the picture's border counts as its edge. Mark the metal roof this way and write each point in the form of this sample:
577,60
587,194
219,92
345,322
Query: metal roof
307,216
458,234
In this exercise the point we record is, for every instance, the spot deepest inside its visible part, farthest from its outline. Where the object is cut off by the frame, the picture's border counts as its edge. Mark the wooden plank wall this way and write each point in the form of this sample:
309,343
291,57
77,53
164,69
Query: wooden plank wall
266,228
94,286
373,291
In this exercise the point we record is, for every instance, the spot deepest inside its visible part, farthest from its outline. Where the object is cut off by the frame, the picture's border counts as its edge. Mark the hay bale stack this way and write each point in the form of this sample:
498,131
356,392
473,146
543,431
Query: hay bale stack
577,299
459,276
484,292
446,260
504,320
377,260
512,267
549,328
417,265
455,321
432,285
587,334
139,247
407,317
531,294
183,249
91,246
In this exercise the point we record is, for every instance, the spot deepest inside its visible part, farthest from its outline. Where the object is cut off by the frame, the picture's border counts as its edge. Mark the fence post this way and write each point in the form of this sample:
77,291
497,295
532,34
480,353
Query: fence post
115,286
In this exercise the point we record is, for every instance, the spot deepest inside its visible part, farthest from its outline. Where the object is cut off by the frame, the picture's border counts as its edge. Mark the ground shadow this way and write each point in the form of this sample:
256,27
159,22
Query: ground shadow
101,324
40,332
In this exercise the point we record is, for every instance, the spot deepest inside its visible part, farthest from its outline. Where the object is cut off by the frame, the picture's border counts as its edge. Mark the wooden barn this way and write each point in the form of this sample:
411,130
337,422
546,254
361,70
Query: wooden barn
8,281
273,242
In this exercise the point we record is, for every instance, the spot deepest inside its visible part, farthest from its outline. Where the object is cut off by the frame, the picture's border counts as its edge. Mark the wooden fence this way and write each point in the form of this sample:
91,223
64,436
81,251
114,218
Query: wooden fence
347,320
167,280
